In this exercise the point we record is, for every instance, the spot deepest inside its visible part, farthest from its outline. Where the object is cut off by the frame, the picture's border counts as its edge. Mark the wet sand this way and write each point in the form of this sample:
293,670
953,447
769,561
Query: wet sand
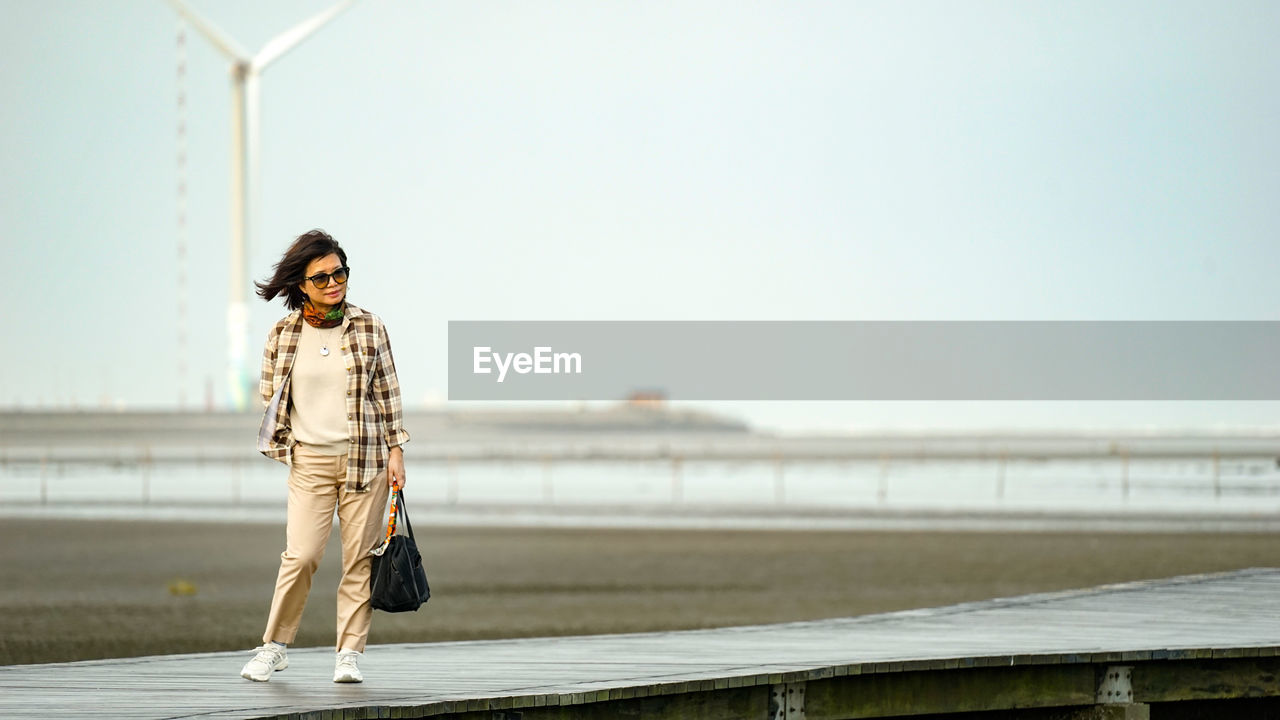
78,590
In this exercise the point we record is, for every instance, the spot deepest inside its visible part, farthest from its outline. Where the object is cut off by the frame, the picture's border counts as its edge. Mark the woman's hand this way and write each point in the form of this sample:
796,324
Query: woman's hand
395,468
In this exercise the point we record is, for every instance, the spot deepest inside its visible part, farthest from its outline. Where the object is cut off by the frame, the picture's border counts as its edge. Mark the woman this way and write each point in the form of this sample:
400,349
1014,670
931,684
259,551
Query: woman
333,415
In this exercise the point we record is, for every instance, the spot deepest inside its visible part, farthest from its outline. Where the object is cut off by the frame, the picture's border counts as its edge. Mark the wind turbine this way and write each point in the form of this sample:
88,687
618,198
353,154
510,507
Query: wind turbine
245,72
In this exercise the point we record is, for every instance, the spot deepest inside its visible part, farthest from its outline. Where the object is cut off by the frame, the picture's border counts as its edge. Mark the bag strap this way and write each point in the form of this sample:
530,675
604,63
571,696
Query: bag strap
404,510
396,501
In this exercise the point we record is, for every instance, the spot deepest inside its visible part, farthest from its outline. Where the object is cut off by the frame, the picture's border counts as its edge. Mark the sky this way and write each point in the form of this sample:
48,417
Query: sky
857,160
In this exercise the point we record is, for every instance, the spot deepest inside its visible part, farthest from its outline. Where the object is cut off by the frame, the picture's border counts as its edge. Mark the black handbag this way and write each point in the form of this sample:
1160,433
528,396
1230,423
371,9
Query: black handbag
398,582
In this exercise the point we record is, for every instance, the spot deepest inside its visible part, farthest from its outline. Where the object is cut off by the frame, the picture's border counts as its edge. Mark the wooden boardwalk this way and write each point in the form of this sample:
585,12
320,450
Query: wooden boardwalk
1060,645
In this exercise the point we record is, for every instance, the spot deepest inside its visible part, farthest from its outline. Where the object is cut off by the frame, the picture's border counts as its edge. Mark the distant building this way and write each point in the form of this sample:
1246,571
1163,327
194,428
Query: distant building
647,398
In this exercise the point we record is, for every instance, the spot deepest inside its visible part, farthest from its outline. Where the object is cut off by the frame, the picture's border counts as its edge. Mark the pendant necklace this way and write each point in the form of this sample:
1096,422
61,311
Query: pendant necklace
324,347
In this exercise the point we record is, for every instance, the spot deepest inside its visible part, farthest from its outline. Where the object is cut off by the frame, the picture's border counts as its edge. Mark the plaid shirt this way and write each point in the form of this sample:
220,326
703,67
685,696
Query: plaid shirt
375,416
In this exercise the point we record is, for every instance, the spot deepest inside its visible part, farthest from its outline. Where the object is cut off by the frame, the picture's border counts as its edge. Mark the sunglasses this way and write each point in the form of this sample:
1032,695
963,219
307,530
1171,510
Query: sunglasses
322,280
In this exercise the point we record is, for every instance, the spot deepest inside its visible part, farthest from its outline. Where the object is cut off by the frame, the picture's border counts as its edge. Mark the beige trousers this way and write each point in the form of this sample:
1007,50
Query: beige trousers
317,484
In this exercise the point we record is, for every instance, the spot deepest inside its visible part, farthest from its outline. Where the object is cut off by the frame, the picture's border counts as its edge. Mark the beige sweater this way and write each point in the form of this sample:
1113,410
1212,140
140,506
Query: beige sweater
319,391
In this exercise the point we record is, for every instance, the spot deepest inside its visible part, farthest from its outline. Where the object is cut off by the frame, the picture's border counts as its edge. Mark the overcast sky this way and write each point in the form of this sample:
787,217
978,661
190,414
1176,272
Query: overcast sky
598,160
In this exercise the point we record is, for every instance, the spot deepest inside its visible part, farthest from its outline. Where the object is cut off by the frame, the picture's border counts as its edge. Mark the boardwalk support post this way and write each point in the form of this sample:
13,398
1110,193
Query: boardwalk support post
1126,711
1116,685
1115,697
786,701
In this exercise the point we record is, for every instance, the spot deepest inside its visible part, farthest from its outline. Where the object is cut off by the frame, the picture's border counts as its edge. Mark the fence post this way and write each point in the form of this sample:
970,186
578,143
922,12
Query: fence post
1000,470
1217,475
779,480
144,461
451,487
677,481
548,491
1124,473
882,493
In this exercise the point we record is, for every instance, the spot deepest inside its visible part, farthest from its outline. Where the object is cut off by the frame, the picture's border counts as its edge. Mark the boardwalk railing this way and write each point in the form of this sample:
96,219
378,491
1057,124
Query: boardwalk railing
769,471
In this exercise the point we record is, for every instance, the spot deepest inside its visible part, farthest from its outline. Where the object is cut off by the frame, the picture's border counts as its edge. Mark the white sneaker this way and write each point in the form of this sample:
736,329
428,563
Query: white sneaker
270,657
346,667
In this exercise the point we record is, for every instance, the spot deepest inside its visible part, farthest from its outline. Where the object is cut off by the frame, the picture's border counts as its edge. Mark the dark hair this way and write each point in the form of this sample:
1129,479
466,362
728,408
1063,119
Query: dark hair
289,271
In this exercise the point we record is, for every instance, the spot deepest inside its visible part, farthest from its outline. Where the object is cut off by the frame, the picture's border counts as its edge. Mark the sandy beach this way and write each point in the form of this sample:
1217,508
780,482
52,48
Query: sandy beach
78,590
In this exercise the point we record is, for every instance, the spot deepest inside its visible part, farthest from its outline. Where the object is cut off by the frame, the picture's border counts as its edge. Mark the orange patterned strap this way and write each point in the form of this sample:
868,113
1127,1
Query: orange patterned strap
391,526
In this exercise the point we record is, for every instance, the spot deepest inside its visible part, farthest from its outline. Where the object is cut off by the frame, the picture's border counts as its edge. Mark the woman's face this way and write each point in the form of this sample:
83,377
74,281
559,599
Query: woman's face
332,293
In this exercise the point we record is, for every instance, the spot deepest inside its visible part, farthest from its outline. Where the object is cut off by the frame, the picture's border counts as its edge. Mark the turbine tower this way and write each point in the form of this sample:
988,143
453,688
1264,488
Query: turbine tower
245,72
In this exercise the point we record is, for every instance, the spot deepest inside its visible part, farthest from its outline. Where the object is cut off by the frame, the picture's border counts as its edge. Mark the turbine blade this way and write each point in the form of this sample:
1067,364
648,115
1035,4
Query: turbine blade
220,40
287,40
